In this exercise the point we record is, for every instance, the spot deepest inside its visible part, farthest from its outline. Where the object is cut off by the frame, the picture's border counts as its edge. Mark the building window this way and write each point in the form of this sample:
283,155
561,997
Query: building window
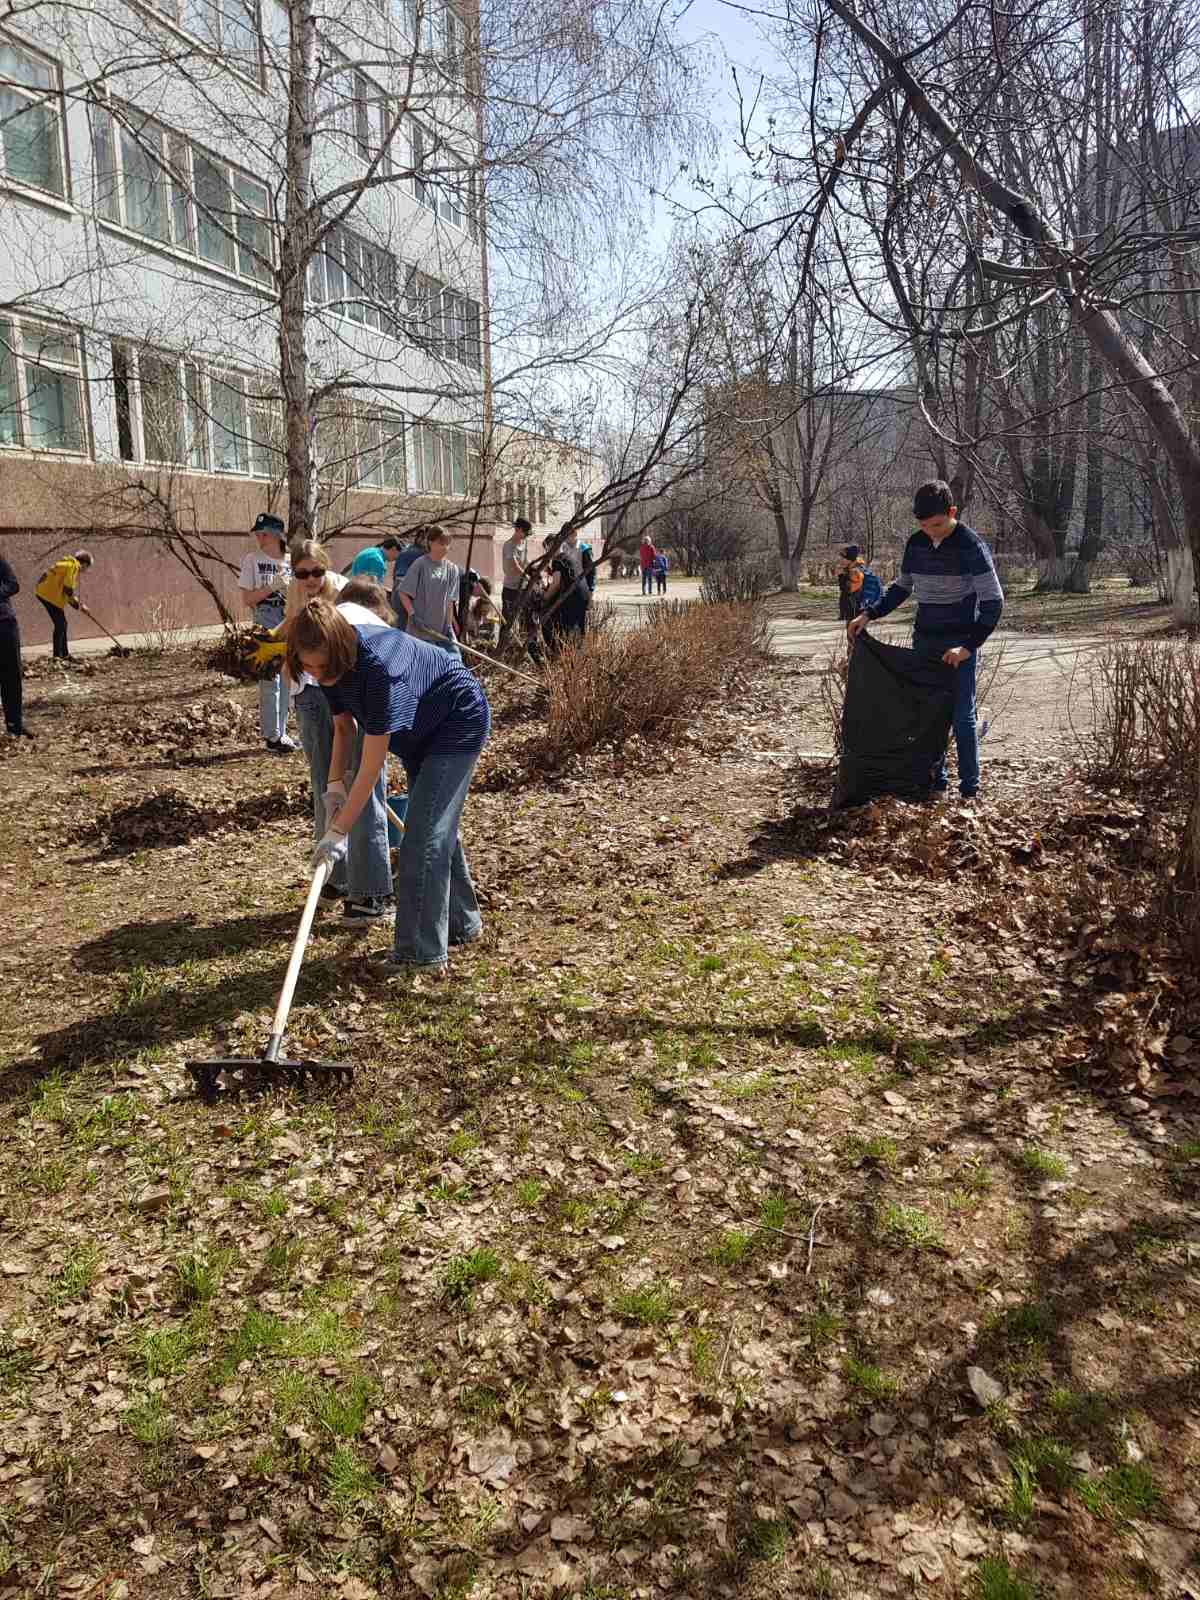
441,179
356,279
228,27
42,404
31,121
381,454
155,183
541,499
350,104
173,412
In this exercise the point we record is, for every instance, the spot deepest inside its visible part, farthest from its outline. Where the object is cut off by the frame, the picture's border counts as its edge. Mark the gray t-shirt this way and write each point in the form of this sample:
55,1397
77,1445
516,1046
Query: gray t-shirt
431,586
512,551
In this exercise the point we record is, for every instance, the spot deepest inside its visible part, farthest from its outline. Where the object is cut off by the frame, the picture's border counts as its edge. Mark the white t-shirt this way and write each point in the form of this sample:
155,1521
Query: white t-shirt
360,616
266,572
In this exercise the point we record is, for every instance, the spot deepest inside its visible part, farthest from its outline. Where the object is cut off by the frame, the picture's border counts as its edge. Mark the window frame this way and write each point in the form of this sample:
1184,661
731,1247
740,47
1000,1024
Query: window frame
177,160
174,11
50,96
15,356
195,421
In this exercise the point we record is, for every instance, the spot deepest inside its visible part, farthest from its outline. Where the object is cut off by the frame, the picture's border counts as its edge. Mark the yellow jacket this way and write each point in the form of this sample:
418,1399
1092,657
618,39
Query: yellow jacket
58,585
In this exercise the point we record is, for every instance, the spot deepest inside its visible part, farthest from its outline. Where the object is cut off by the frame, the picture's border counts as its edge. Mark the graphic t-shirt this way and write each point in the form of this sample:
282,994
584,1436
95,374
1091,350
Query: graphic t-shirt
261,572
431,586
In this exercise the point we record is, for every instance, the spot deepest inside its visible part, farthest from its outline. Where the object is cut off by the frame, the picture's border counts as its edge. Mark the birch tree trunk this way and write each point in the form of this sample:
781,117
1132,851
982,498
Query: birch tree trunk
295,253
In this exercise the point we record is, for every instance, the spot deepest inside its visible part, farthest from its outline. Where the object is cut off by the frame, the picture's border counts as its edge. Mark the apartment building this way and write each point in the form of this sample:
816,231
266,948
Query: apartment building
151,215
542,478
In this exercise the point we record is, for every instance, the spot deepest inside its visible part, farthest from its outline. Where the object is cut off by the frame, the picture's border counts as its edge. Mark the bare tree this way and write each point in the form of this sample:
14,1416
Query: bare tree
316,247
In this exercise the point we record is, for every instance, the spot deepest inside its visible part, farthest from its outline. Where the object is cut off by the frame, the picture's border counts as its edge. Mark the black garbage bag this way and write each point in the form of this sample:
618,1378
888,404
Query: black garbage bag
895,723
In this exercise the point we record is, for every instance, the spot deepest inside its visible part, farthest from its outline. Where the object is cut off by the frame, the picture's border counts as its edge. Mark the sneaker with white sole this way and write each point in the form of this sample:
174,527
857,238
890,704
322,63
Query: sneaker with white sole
362,913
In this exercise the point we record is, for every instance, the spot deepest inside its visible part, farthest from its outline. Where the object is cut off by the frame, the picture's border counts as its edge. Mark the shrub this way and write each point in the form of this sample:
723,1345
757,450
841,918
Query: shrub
614,684
1146,716
728,582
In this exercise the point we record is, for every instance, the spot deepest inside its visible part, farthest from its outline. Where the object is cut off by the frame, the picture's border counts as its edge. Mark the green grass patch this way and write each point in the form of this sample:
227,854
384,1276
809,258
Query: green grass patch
731,1249
198,1276
766,1539
324,1332
348,1479
149,1422
910,1226
343,1412
76,1274
650,1306
464,1273
881,1150
1120,1493
994,1579
528,1193
1040,1163
703,1347
1032,1322
869,1380
166,1351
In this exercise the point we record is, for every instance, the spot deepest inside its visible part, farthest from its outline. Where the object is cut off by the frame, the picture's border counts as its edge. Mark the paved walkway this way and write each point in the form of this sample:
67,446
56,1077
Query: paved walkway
1047,658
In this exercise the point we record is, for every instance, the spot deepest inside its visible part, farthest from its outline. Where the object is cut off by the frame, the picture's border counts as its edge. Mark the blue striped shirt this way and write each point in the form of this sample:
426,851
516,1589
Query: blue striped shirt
418,693
959,598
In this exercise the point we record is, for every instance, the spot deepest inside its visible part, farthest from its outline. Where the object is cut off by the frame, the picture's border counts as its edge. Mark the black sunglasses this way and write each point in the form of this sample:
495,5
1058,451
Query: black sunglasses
308,572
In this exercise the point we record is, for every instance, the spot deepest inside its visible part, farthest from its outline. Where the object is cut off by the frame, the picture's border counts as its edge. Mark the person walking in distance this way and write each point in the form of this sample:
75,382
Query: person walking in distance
10,654
646,555
57,587
514,558
429,593
959,601
263,580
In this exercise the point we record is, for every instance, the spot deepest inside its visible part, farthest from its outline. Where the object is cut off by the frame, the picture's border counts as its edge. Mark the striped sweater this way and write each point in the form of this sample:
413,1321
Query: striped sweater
959,598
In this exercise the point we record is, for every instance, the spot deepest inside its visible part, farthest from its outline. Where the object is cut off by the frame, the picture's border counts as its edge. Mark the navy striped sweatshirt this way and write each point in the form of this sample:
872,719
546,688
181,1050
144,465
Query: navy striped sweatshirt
959,598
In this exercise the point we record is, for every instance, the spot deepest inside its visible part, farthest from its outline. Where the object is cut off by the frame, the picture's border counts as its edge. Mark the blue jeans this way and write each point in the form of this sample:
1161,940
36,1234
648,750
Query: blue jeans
367,868
273,694
647,580
966,735
435,898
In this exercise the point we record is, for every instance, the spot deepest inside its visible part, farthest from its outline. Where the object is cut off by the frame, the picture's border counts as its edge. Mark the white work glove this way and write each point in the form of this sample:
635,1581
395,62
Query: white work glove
331,849
335,797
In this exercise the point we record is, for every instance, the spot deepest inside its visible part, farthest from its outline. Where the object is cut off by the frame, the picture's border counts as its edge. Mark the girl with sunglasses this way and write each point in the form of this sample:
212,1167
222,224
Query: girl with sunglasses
364,877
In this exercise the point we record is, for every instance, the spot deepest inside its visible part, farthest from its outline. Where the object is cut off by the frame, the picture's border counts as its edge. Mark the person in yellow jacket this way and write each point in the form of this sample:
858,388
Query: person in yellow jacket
59,587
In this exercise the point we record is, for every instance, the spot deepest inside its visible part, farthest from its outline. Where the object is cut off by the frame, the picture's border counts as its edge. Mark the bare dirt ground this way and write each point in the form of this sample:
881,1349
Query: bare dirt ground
754,1213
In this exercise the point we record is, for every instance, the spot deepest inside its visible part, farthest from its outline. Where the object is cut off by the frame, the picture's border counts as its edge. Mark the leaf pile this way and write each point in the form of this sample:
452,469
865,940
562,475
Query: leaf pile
169,816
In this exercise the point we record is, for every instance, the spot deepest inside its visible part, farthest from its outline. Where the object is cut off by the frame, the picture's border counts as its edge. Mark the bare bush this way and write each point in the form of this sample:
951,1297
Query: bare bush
163,621
731,582
1146,716
833,692
613,684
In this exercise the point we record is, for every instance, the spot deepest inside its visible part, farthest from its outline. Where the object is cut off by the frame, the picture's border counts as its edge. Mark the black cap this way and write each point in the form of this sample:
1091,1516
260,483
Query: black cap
265,522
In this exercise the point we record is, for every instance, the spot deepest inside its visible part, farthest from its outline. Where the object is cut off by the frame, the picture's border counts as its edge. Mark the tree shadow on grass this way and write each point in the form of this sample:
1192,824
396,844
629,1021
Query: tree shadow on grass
171,763
165,1015
177,939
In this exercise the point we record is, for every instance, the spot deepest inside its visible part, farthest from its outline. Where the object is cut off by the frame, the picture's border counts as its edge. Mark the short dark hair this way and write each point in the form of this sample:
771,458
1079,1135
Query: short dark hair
389,543
932,499
851,552
523,523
